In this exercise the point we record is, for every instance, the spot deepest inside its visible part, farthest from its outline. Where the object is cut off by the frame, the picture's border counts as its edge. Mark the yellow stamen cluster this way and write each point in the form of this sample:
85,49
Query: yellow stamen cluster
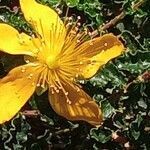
64,64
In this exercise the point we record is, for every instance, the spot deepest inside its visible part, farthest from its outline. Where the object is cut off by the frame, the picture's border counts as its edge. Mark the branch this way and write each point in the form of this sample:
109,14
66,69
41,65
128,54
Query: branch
31,113
115,20
145,77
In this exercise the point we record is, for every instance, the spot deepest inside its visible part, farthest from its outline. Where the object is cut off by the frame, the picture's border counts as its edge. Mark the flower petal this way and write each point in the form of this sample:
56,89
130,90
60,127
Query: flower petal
13,42
15,89
99,53
82,107
45,21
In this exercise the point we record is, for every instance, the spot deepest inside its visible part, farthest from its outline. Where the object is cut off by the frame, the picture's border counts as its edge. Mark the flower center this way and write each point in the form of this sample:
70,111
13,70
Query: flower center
51,62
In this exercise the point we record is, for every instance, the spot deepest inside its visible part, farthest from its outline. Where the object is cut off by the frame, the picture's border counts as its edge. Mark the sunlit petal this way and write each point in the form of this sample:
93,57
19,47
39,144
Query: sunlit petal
46,22
15,89
96,45
13,42
99,53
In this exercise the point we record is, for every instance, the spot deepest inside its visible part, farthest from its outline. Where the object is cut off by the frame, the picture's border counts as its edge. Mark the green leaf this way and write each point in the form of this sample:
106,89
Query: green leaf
107,109
21,136
135,134
17,146
44,118
32,102
72,3
142,104
100,136
35,146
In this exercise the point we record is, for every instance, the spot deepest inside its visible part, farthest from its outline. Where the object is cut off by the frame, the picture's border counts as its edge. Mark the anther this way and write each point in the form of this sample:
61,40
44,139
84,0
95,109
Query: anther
89,33
69,24
70,18
78,24
76,29
57,91
105,44
38,85
60,87
43,86
52,92
78,41
27,61
86,32
66,93
51,86
73,32
55,88
78,90
78,17
68,101
33,36
78,35
59,11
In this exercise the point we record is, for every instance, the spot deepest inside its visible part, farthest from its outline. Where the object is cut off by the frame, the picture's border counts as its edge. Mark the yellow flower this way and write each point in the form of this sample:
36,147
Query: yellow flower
56,55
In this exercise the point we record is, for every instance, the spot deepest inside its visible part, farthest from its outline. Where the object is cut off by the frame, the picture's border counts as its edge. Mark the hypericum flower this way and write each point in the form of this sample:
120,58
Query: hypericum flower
57,55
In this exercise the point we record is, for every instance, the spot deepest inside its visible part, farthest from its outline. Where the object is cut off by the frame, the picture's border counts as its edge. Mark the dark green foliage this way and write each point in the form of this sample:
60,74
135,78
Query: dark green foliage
121,87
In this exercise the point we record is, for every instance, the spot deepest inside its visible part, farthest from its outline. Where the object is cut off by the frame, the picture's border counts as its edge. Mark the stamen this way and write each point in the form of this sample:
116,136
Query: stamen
52,91
59,11
60,86
34,43
38,84
69,24
57,91
43,35
66,93
43,85
78,41
65,20
70,18
27,61
42,78
68,101
89,33
56,35
78,89
76,29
